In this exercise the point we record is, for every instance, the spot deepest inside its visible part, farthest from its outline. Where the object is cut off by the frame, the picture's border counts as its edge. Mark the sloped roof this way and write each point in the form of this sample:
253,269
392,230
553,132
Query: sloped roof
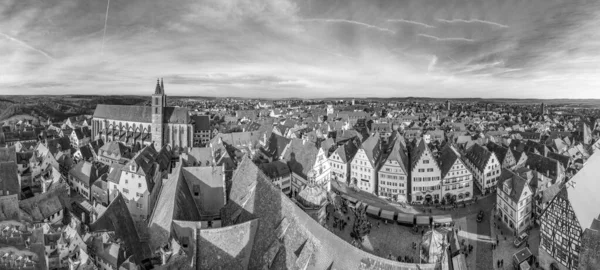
275,145
514,181
275,169
348,150
416,153
117,148
447,159
220,248
372,147
583,196
211,184
397,154
8,154
301,156
9,208
544,165
201,122
564,160
9,178
143,114
287,238
44,205
497,149
117,218
175,202
479,156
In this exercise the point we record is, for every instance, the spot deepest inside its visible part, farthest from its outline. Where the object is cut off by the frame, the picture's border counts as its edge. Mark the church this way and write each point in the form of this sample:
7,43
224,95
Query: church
139,126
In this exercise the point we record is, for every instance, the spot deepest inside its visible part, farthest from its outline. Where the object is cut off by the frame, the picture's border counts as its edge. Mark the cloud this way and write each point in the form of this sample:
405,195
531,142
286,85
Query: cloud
279,48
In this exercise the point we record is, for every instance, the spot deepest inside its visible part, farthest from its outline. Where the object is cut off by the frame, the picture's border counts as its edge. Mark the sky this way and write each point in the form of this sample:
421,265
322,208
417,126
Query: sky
302,48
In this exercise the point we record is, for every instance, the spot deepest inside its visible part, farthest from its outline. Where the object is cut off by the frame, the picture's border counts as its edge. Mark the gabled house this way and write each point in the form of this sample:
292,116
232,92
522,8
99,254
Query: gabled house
485,167
302,157
341,158
514,199
280,174
457,179
365,165
393,173
425,182
504,155
83,175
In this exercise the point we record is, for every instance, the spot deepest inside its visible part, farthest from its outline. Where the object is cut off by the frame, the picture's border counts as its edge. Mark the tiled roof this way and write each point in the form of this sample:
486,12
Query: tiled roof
88,172
201,122
9,178
372,147
348,150
564,160
416,153
497,149
9,208
514,181
143,114
397,154
117,218
447,159
8,154
275,169
287,238
583,195
544,165
175,202
44,205
275,145
211,184
478,156
117,148
301,156
219,248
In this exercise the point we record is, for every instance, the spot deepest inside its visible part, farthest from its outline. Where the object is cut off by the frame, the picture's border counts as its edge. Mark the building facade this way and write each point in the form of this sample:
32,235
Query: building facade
340,160
485,167
393,174
457,179
144,125
364,166
425,175
514,201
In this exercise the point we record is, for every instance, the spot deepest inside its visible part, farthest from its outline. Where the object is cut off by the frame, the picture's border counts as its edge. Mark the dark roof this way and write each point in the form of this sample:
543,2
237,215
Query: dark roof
201,122
46,204
479,156
347,150
447,159
116,218
275,169
564,160
287,238
372,147
143,114
397,154
9,208
88,172
590,242
514,181
23,157
416,153
87,153
497,149
544,165
9,178
275,145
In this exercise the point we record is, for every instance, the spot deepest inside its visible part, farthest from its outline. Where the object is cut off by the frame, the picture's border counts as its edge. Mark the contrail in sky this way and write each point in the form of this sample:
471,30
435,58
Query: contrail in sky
105,22
382,29
473,21
445,39
24,44
411,22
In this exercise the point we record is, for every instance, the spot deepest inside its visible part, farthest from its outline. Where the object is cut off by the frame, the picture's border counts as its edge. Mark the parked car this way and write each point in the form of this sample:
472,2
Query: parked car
522,238
480,216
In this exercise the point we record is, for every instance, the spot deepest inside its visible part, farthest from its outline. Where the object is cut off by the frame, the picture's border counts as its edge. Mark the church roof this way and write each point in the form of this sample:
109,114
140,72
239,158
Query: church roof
143,114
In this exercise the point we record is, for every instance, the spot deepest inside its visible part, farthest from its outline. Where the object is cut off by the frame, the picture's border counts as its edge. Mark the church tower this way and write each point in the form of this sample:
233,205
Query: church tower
159,101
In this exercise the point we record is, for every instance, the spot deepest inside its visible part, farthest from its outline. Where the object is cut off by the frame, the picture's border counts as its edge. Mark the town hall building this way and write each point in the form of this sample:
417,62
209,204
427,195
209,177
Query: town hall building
140,126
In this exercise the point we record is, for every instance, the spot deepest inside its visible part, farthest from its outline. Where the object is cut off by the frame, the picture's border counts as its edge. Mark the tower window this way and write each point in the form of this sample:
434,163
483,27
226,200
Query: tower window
156,101
155,110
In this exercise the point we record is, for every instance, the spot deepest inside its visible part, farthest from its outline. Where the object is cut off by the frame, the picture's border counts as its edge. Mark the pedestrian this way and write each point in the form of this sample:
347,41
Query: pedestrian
498,263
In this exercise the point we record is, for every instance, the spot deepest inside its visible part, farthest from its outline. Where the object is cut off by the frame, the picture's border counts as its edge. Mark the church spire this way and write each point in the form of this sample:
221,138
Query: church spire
158,90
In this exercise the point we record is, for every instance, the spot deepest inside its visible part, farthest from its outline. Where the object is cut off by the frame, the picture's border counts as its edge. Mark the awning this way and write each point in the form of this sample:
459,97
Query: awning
350,199
422,220
389,215
442,219
459,262
406,218
524,266
372,210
